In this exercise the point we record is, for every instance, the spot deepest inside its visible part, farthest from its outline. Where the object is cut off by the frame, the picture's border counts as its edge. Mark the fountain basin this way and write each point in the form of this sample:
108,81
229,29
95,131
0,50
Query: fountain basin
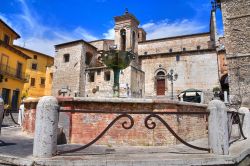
82,126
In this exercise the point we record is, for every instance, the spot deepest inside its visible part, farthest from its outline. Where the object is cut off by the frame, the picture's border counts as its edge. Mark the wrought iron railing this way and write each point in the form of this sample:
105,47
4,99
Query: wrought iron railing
235,119
129,123
12,72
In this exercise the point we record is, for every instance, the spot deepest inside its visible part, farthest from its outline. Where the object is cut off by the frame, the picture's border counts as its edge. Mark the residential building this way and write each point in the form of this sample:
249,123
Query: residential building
12,67
37,66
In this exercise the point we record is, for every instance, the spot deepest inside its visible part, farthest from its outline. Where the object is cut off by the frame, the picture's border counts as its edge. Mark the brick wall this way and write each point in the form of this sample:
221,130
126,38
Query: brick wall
83,127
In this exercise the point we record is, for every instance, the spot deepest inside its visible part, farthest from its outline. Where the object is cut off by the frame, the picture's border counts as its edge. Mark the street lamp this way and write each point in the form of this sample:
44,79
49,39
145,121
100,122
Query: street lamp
172,77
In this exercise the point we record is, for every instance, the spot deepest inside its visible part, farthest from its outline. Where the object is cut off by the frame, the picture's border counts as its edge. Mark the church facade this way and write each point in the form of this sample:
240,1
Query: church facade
79,70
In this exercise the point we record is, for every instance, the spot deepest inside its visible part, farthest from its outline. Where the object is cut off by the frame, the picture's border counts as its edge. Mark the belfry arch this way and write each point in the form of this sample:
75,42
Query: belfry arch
123,39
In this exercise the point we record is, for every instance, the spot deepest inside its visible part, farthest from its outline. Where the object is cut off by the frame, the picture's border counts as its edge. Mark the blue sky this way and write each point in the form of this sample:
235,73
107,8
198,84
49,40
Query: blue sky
44,23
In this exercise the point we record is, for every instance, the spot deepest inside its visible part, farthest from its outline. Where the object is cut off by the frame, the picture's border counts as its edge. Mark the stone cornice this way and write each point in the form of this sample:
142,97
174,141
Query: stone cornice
232,56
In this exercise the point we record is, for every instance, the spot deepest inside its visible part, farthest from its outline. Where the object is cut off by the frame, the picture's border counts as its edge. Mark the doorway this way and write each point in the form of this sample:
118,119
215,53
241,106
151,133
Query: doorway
161,84
6,95
14,102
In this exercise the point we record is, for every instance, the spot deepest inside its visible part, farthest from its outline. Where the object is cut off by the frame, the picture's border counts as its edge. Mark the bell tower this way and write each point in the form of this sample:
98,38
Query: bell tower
126,32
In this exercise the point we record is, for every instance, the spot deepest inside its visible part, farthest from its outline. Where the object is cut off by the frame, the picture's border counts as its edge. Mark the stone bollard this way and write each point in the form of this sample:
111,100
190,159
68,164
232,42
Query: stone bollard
246,122
1,112
46,125
218,128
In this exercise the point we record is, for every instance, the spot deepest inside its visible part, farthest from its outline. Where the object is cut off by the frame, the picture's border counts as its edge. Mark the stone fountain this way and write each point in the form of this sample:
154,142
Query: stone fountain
116,60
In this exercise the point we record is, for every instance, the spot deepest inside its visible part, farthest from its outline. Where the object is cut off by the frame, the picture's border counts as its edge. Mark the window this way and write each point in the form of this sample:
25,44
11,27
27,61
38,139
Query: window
198,47
133,41
184,49
66,57
6,95
177,58
32,82
91,77
42,81
6,39
35,57
89,57
19,70
98,72
170,50
34,66
107,76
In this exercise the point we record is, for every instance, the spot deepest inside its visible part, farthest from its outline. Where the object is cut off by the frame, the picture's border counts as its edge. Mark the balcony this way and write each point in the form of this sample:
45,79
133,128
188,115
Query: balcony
14,73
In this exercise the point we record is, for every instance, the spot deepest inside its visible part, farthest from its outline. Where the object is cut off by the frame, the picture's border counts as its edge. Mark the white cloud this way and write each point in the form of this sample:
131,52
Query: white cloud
110,34
85,34
166,28
40,37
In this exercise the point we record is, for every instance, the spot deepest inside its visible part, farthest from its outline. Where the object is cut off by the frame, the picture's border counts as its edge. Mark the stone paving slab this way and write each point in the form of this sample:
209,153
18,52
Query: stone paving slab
21,154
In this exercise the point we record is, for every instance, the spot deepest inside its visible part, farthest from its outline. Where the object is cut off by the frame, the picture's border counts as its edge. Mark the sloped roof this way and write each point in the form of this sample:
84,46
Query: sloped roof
18,36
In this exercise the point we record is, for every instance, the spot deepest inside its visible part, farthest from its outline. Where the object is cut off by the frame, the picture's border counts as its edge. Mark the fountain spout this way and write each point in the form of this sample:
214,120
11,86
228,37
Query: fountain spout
116,60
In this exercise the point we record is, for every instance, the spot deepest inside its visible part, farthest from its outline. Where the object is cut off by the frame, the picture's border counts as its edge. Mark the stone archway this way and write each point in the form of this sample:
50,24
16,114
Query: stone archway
224,86
224,83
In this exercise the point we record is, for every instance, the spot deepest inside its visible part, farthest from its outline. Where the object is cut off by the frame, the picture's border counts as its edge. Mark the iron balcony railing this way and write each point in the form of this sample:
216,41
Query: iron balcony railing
14,73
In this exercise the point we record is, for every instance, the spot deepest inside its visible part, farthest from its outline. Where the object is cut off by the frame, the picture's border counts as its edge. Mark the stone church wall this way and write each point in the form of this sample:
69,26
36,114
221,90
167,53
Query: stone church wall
176,44
137,83
197,70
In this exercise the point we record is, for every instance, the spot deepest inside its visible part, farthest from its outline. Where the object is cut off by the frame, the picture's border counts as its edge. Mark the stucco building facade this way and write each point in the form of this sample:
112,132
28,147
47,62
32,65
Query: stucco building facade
12,67
37,67
79,70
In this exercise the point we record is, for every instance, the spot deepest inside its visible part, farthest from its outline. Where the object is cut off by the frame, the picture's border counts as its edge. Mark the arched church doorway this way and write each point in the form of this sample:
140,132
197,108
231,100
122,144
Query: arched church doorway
160,83
224,85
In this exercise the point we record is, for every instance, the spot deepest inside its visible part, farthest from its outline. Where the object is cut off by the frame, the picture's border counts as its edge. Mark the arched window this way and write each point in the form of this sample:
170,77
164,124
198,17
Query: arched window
160,73
123,39
133,41
88,59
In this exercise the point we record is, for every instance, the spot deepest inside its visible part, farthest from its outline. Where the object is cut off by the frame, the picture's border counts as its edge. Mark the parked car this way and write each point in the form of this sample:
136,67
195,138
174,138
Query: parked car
190,95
